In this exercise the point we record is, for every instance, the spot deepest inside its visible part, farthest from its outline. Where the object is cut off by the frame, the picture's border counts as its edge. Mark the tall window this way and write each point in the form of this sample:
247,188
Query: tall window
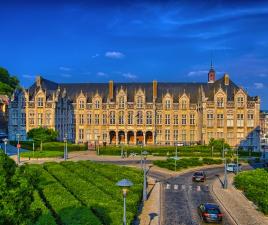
192,135
149,118
89,119
104,118
159,118
176,135
183,104
121,117
250,120
39,119
220,102
139,118
48,118
168,104
31,118
183,119
81,104
220,135
158,136
220,121
210,119
240,135
167,119
130,117
192,119
210,135
240,120
97,119
23,119
97,104
176,119
40,102
139,102
81,119
112,117
167,135
81,135
240,101
121,102
230,120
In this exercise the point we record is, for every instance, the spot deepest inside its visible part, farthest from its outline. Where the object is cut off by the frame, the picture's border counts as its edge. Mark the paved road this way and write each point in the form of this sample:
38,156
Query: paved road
180,198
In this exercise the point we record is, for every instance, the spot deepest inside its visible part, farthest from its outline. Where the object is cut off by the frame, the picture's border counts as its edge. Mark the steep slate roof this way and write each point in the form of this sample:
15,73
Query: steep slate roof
175,89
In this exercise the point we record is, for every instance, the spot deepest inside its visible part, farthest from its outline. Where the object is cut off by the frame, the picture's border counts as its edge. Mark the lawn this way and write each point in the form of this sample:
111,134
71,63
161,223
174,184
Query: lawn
184,163
254,184
85,193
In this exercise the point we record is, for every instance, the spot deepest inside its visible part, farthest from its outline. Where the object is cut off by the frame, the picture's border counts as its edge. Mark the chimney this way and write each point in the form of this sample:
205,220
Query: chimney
38,80
226,79
154,89
111,89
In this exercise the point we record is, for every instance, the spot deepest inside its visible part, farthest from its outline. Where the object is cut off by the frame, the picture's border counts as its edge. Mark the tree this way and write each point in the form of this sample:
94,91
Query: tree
7,83
16,193
42,134
218,144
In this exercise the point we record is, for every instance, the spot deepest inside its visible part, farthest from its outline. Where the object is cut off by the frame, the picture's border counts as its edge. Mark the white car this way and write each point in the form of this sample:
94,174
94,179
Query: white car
231,167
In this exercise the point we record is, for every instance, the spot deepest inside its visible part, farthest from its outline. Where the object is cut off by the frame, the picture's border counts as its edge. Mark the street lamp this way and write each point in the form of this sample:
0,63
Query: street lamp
145,153
225,182
124,184
237,168
18,148
5,140
65,139
121,144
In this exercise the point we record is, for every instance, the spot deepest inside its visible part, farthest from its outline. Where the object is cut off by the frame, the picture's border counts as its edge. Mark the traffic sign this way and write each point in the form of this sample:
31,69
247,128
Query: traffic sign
18,146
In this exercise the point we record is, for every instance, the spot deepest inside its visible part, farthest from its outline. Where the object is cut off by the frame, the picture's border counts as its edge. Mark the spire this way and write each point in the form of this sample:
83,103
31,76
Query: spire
211,73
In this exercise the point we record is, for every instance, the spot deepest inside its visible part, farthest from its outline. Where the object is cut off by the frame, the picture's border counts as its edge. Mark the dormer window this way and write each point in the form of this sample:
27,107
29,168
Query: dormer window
40,102
81,104
121,102
240,101
139,102
168,104
183,104
220,102
97,104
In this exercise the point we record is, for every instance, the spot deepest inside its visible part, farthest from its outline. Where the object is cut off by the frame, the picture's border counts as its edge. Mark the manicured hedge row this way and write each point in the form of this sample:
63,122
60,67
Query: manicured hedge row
185,163
69,210
46,216
104,206
254,184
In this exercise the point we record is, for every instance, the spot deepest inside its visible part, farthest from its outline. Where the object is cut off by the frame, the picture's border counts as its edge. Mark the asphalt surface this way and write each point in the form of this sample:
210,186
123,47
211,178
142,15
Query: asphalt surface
181,197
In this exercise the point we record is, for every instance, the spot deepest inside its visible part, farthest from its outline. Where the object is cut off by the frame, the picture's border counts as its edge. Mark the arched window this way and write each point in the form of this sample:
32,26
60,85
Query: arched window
139,118
149,118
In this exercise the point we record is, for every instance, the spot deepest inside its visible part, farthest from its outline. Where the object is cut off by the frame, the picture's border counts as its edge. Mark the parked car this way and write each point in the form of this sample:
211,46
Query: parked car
232,167
199,176
210,213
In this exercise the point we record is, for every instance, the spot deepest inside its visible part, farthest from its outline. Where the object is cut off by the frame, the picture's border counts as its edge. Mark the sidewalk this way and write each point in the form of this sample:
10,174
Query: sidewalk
232,200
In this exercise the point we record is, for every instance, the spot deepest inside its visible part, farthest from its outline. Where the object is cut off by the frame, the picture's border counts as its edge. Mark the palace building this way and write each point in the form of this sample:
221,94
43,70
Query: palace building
139,113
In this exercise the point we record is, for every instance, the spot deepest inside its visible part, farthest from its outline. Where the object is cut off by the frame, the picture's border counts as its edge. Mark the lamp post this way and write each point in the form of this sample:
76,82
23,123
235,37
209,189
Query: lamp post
225,182
141,155
124,184
65,139
237,160
18,148
5,142
98,144
121,145
145,153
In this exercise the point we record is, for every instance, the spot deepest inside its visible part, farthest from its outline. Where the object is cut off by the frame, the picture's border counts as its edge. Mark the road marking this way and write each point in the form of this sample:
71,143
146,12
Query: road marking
190,187
183,187
198,188
176,187
168,186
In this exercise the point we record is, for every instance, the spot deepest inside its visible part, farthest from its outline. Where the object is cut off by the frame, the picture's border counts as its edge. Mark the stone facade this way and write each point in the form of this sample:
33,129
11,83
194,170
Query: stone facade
4,101
133,113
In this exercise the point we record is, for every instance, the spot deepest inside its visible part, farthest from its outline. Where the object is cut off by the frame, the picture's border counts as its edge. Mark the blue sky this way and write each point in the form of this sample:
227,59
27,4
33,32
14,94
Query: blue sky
97,41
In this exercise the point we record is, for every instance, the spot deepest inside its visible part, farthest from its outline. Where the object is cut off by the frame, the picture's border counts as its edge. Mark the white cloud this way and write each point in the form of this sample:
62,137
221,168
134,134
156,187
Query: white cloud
101,74
114,55
259,85
63,68
27,76
66,75
197,73
130,76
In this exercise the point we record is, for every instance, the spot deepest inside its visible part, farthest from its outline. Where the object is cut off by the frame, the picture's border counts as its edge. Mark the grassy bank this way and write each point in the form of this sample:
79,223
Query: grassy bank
186,163
254,184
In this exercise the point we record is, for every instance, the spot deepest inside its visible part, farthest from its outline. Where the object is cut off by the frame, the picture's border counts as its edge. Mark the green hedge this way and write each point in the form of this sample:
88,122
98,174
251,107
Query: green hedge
185,163
254,184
